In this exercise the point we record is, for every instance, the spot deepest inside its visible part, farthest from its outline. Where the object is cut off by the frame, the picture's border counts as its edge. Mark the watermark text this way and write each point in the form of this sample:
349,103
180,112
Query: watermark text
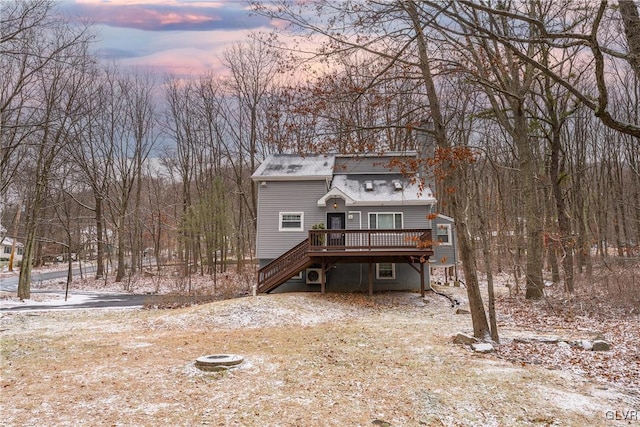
623,415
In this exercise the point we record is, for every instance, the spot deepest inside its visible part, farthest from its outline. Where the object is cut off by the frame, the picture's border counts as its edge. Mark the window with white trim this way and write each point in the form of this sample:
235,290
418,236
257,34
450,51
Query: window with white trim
385,270
7,249
385,220
443,234
291,221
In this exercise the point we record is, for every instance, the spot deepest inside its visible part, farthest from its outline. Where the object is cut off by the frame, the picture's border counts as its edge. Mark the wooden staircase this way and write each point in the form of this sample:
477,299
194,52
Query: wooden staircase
284,267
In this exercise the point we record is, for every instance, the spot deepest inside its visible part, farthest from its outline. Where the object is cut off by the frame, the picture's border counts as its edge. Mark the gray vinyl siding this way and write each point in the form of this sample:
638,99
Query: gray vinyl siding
355,278
444,255
286,196
412,216
368,165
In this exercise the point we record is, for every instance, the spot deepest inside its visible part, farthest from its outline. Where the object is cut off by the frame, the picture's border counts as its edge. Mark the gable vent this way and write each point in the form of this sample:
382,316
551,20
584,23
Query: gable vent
368,185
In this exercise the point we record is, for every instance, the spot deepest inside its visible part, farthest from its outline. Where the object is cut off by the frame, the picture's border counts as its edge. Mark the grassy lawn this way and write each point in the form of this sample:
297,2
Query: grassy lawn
337,360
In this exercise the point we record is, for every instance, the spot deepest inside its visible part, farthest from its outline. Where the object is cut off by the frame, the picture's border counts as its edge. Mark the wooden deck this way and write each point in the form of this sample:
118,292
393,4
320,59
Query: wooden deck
330,247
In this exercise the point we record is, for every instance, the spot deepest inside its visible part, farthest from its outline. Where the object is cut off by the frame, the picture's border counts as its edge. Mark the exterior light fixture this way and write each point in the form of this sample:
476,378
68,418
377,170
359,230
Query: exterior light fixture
335,205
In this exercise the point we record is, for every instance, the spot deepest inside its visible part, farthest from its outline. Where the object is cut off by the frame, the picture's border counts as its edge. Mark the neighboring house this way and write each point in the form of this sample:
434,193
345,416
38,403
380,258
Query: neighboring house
5,250
346,223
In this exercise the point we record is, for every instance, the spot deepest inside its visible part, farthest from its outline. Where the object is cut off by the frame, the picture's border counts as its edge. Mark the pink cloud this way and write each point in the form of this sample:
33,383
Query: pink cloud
169,15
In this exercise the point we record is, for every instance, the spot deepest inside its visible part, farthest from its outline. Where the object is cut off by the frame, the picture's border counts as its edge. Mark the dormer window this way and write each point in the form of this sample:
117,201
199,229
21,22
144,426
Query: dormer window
368,185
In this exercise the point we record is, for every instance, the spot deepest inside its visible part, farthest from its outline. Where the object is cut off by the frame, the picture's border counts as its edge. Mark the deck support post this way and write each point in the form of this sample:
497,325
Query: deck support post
370,279
323,278
422,290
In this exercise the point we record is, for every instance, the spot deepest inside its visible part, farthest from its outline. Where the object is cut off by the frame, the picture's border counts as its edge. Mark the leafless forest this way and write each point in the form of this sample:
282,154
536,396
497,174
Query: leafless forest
532,110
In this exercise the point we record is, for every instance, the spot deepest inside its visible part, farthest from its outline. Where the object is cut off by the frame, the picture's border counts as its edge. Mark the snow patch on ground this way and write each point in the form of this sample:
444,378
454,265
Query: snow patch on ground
571,401
256,312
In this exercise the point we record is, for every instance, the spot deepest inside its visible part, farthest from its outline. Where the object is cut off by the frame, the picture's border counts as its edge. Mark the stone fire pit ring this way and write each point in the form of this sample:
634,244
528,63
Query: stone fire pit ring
218,362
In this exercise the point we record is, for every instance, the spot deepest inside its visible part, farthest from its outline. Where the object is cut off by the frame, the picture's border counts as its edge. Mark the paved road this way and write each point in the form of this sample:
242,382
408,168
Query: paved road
78,301
10,284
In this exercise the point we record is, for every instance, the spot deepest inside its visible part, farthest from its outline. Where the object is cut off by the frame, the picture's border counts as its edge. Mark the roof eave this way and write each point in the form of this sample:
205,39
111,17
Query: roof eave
425,202
290,177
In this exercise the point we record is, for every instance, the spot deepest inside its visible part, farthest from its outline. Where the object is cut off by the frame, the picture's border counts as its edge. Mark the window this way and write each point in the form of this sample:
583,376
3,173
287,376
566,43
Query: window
385,220
385,270
443,235
291,221
7,249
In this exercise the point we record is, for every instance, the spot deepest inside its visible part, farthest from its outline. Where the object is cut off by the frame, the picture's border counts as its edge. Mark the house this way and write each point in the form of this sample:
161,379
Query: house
6,247
347,223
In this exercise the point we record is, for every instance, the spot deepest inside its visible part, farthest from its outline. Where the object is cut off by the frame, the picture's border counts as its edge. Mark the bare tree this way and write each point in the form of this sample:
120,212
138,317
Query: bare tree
31,41
253,71
53,90
131,134
141,114
181,124
452,181
570,24
94,155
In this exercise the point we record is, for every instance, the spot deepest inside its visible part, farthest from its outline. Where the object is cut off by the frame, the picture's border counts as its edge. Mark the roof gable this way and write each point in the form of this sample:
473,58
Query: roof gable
285,167
380,164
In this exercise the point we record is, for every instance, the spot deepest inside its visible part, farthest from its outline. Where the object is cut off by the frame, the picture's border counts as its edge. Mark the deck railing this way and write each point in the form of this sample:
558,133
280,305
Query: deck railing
379,241
369,239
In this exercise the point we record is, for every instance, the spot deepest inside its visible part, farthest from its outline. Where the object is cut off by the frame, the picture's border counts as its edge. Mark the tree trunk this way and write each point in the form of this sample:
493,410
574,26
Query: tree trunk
31,227
564,222
533,226
24,280
631,23
120,272
100,239
486,255
467,256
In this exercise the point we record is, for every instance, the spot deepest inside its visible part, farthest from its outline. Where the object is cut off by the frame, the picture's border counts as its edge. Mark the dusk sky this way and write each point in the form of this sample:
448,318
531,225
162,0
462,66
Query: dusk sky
177,36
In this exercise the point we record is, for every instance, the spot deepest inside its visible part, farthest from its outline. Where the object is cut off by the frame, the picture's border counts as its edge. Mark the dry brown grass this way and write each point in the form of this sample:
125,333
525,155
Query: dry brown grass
310,360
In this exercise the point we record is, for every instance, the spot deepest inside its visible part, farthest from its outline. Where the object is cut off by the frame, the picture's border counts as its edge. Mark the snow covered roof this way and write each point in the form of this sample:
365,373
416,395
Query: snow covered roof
446,218
385,190
301,168
8,241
